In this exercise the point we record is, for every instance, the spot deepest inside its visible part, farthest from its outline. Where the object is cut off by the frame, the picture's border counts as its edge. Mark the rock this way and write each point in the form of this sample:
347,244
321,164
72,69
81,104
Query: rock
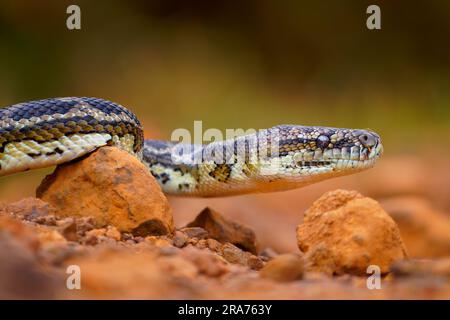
206,262
320,259
424,229
180,239
49,220
113,233
422,268
85,224
29,209
94,236
233,254
224,230
96,232
353,230
160,242
268,254
284,267
69,230
202,244
195,232
254,262
214,245
112,187
49,238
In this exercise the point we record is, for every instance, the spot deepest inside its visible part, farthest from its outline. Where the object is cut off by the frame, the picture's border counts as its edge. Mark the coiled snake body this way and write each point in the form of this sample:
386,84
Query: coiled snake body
48,132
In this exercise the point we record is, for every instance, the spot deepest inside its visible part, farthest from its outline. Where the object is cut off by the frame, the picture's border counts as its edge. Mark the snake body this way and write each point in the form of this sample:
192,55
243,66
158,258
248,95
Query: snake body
53,131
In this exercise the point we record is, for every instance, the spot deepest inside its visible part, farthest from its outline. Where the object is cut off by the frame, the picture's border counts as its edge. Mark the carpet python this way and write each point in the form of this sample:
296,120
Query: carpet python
53,131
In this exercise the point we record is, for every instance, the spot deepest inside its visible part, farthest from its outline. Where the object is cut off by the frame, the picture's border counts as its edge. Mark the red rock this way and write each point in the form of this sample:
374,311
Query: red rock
353,230
112,187
224,230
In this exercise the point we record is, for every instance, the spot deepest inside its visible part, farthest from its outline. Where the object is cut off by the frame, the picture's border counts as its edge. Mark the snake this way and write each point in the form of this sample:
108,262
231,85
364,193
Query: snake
49,132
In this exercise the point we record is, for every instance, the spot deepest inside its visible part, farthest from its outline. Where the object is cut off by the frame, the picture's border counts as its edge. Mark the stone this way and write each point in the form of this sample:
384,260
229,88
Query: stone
224,230
69,230
353,231
268,254
180,239
113,233
160,242
235,255
214,245
207,263
112,187
284,268
195,232
50,238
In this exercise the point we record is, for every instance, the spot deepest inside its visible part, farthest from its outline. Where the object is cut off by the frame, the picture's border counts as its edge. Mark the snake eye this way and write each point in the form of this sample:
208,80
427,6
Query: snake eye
322,141
368,140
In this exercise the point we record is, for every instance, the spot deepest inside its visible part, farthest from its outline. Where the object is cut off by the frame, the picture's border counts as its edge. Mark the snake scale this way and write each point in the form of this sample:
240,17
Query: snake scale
53,131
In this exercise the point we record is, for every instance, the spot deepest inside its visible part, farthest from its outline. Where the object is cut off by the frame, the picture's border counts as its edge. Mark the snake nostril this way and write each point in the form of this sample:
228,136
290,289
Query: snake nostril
368,140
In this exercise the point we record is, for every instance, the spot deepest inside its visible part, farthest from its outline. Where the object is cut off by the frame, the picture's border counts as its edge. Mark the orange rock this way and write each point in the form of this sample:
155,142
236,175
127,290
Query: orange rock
112,187
424,229
354,231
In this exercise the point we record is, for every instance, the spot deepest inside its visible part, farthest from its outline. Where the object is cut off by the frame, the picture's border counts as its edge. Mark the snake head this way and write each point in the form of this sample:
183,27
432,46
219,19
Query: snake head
309,154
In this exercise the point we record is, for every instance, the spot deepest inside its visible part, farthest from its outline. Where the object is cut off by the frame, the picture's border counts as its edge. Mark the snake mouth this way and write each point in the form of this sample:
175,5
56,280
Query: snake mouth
356,157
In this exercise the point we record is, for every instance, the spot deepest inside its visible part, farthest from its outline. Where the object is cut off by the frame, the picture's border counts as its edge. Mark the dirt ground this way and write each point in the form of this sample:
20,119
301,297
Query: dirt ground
310,243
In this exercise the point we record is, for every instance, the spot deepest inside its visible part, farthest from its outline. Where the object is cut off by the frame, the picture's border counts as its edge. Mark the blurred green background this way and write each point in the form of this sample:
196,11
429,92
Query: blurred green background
248,64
